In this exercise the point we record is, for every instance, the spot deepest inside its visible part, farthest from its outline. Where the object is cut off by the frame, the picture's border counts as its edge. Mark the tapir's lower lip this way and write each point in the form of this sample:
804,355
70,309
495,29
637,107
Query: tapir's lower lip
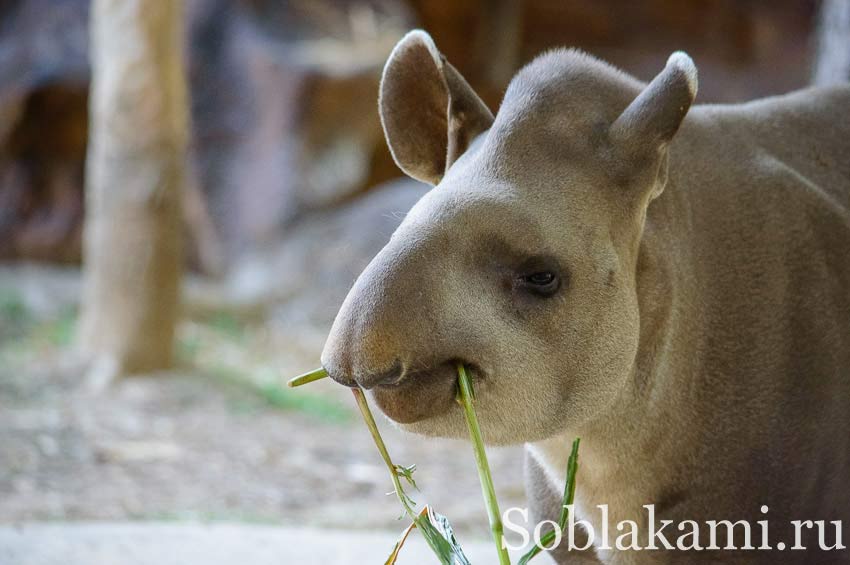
420,395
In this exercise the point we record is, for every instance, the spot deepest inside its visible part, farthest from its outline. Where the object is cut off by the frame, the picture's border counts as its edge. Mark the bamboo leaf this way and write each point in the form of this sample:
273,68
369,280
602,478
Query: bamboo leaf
444,527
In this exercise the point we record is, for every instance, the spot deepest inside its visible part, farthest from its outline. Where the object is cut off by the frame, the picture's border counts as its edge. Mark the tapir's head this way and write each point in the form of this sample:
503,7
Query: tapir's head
521,261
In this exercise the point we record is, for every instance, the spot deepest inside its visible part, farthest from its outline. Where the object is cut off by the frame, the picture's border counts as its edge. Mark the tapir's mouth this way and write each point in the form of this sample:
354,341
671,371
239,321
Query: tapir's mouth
419,395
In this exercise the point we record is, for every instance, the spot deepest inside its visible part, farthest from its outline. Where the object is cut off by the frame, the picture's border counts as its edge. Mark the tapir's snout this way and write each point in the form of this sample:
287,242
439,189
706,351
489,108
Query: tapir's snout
362,348
388,338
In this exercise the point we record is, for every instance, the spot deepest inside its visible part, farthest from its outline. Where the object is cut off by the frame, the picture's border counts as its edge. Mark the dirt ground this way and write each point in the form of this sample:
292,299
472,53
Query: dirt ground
219,439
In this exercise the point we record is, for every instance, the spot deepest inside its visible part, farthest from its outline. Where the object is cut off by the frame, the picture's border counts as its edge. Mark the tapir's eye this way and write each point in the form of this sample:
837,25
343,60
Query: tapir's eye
537,276
541,283
540,279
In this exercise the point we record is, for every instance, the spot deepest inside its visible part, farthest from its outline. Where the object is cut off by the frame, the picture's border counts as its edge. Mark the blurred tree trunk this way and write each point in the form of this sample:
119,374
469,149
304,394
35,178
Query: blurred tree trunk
134,177
832,58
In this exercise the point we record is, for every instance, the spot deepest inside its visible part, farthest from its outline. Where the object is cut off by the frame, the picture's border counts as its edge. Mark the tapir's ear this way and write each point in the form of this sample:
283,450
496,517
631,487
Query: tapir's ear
652,119
429,112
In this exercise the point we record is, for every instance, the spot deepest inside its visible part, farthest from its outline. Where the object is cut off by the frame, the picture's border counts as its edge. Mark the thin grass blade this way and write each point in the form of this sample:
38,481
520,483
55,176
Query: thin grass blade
314,375
399,544
445,549
569,496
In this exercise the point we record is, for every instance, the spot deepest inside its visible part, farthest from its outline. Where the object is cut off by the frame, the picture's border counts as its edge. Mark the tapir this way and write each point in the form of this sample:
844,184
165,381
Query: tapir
669,282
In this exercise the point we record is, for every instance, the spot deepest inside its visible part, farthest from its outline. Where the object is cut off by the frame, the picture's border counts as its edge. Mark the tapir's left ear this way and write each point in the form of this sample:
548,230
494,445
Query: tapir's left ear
429,112
652,119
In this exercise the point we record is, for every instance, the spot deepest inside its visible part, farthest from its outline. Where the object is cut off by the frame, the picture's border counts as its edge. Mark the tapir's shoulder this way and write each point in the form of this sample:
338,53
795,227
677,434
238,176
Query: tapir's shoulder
804,134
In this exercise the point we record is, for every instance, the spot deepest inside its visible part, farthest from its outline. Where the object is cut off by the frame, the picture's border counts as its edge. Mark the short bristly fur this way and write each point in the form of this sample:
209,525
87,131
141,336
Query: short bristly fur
699,342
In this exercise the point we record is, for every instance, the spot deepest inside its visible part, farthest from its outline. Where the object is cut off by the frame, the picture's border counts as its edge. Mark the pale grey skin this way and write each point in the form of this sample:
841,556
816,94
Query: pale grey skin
699,339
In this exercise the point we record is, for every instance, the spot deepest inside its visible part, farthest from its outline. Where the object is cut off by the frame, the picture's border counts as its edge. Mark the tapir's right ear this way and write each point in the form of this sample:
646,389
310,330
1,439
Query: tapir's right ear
429,112
652,119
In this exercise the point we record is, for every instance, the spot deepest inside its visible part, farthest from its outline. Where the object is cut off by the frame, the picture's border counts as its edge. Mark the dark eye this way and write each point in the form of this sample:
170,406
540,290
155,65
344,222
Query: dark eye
542,283
540,279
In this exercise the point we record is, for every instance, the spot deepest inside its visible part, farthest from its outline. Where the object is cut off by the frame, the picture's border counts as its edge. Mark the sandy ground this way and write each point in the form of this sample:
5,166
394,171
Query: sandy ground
189,446
217,440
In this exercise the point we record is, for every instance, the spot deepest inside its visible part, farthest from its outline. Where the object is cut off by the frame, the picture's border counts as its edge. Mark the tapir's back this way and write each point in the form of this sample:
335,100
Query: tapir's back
761,196
764,180
760,203
807,131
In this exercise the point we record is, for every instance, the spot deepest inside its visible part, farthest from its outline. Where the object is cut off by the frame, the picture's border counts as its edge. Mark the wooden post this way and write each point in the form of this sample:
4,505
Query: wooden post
134,176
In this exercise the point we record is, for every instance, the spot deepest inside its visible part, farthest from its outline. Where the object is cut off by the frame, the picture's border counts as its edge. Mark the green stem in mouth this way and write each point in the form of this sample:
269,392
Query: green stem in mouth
466,397
314,375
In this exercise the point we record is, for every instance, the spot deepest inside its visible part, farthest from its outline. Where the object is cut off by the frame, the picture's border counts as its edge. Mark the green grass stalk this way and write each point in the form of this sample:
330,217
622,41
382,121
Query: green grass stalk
569,496
466,398
314,375
447,554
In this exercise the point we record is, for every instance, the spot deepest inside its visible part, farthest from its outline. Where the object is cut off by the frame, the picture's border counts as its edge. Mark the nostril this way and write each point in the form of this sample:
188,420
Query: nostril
390,376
